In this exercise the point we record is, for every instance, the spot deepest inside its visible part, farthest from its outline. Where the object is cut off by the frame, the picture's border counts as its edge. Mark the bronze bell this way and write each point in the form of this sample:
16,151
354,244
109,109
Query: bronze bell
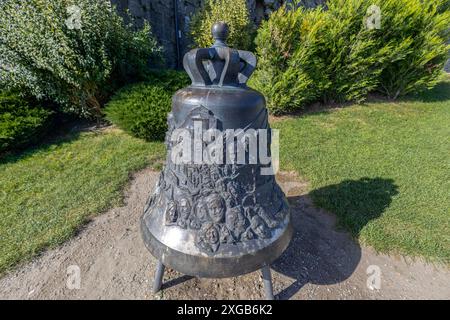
224,218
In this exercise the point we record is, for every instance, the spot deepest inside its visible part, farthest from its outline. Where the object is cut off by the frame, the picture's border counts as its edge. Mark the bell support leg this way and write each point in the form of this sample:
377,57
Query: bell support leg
157,283
267,279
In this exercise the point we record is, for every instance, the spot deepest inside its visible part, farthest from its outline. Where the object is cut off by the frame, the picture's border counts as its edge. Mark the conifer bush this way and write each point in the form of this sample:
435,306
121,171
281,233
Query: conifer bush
235,13
141,109
335,54
416,34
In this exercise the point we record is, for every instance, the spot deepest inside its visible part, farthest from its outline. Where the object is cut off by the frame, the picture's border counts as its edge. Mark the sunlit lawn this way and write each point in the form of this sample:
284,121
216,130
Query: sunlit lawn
382,168
49,191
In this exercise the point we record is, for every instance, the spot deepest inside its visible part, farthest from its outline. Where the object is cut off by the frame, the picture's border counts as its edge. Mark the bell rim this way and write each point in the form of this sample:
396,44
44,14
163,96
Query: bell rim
216,267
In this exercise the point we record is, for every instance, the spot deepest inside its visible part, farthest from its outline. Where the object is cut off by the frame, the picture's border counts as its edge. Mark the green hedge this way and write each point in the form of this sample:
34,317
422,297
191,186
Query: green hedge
20,122
333,55
141,109
237,17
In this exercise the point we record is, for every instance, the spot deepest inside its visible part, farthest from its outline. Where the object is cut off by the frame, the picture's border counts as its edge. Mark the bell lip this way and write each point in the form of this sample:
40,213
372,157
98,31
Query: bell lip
216,267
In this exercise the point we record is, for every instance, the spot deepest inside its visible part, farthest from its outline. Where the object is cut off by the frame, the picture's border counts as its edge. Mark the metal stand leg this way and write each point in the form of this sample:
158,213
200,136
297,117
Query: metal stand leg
158,277
267,278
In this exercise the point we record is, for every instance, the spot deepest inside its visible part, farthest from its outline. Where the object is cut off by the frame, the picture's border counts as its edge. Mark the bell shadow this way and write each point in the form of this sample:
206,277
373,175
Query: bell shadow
318,253
176,281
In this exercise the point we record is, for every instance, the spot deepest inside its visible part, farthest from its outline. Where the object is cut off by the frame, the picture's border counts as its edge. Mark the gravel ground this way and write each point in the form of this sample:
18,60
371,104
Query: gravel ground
321,263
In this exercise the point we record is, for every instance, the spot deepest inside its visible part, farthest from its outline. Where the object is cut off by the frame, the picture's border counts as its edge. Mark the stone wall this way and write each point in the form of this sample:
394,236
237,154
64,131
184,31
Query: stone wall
161,15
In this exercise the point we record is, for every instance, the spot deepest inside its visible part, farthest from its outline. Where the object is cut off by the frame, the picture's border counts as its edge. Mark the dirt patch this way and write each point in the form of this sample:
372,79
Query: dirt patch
321,263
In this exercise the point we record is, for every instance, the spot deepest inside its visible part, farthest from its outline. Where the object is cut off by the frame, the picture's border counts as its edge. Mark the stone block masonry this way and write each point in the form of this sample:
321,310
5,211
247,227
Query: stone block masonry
163,16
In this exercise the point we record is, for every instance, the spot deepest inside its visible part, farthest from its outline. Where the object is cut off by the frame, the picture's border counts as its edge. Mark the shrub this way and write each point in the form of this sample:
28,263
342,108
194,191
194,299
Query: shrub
170,80
416,33
331,55
20,122
285,72
70,52
142,109
236,15
309,55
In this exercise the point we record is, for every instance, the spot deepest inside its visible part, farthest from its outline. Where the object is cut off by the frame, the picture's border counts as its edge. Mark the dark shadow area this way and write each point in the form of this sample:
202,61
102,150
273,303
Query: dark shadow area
440,93
61,133
318,253
176,281
356,202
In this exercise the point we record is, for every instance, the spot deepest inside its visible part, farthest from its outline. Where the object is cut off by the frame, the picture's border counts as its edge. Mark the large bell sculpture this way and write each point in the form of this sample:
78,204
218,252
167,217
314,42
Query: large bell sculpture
217,219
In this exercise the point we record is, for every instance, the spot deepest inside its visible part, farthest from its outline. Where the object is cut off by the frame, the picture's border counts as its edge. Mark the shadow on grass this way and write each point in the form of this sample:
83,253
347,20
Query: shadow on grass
356,202
440,93
63,133
318,253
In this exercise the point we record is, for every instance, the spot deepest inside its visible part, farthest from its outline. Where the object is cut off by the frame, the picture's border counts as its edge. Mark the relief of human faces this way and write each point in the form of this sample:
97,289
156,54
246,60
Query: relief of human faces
201,211
212,235
216,207
208,237
235,220
184,208
259,228
171,213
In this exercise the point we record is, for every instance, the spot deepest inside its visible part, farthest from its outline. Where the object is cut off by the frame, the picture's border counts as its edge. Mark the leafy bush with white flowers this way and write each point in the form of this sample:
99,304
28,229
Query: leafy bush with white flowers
70,52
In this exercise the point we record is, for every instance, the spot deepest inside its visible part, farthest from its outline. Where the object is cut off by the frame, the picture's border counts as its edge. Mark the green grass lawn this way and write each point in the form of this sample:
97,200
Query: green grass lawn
382,168
46,193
